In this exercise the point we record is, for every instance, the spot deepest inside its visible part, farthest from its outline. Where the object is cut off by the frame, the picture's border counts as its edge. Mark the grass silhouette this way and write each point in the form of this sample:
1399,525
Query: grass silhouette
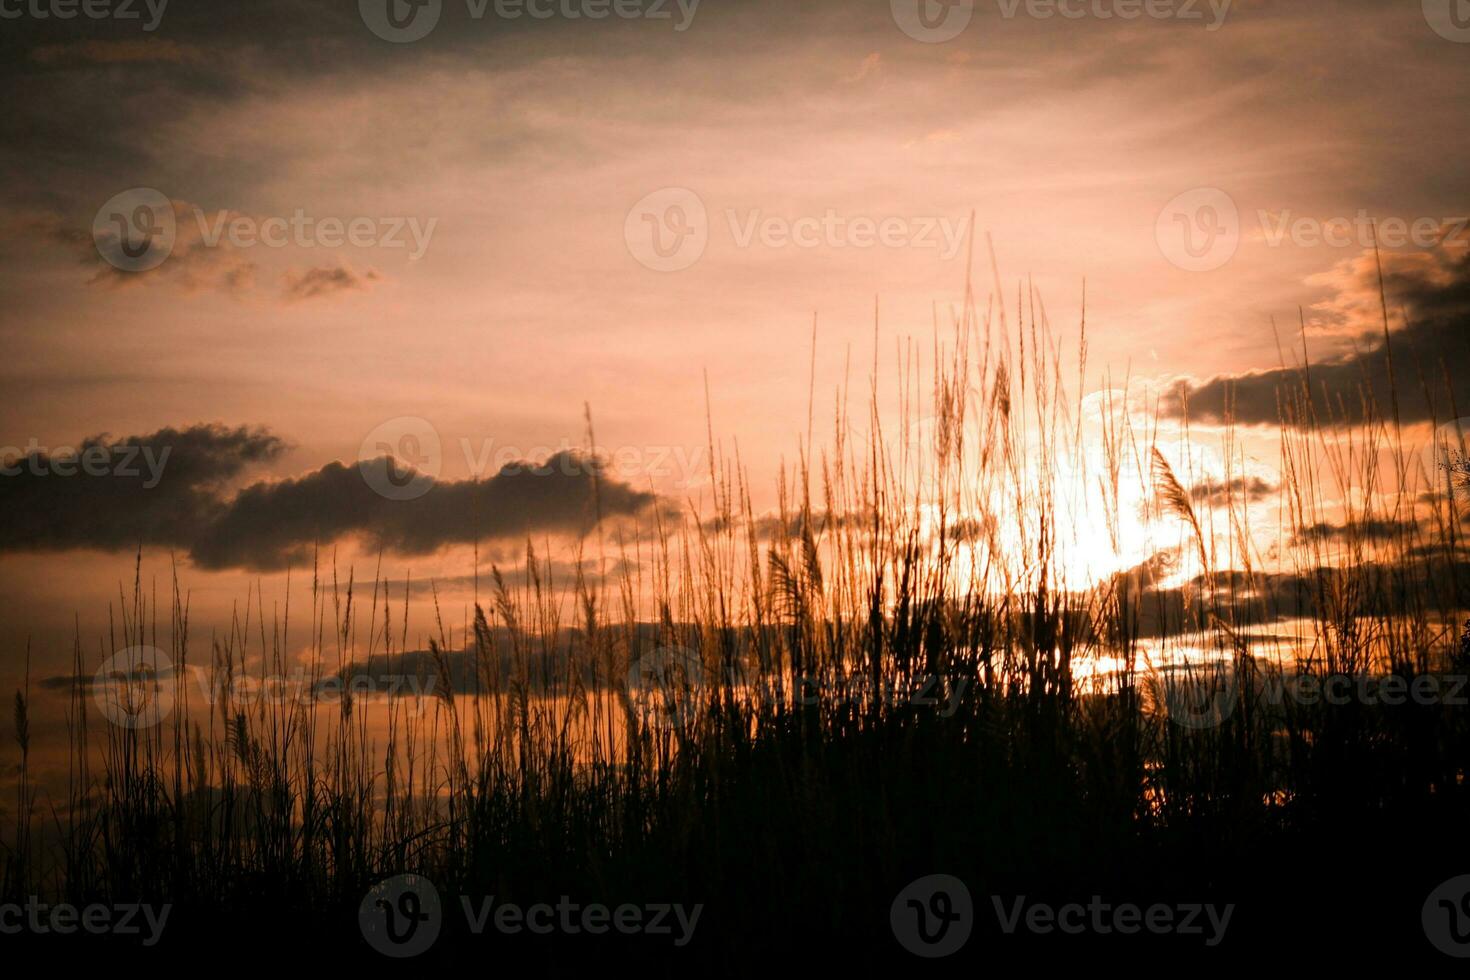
788,717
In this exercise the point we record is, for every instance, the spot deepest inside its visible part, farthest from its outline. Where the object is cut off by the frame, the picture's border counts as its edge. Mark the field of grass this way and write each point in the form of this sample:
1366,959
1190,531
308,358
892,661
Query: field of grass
787,717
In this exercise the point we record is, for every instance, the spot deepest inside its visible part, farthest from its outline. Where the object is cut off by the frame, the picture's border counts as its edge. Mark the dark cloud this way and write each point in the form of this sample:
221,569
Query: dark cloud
159,489
193,264
1430,348
89,97
1218,493
271,525
971,530
595,573
173,489
772,527
1376,530
1439,576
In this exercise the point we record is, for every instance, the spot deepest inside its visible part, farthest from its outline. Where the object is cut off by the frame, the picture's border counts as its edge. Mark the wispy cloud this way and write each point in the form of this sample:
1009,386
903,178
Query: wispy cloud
326,280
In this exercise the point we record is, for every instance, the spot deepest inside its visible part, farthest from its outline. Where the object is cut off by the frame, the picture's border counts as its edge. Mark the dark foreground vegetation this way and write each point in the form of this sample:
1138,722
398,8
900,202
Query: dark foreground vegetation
787,721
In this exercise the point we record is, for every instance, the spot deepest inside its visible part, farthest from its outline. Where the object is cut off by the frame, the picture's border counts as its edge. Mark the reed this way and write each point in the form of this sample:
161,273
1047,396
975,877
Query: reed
900,669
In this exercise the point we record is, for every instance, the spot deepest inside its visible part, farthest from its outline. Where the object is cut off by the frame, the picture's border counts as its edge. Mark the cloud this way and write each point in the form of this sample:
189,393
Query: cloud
1429,297
772,527
159,489
201,260
1218,493
174,488
272,525
1373,530
203,257
1369,588
194,264
326,280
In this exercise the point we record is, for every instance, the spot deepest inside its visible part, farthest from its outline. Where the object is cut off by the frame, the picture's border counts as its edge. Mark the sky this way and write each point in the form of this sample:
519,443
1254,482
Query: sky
471,224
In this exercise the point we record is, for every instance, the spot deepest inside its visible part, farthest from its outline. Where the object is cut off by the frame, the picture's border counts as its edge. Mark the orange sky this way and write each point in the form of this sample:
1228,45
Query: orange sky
518,148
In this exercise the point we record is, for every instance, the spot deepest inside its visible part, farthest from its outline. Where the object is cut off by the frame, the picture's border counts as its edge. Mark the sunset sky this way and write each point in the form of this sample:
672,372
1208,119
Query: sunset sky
514,163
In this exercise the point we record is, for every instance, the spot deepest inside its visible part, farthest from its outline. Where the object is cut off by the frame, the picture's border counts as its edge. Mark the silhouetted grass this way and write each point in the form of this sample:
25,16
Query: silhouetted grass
1115,736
